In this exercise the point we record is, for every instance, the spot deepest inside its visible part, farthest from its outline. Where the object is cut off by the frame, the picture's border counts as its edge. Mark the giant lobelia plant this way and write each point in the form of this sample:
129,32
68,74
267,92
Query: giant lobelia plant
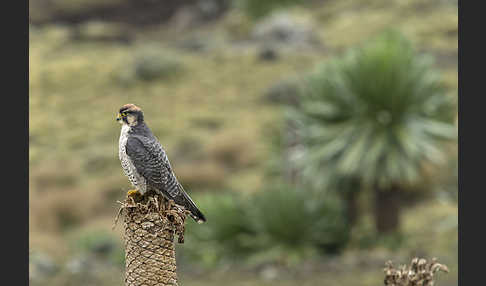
377,115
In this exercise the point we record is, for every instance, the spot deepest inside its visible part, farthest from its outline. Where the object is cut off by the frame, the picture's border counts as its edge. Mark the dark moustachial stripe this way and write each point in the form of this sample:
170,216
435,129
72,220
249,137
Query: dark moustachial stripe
151,162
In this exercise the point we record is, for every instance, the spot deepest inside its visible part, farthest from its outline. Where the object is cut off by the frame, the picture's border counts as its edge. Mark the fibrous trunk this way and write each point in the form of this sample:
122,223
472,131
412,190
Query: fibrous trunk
387,209
150,226
352,207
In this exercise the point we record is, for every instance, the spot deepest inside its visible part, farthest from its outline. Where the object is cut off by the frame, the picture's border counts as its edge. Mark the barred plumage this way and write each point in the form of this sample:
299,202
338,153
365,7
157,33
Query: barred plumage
146,164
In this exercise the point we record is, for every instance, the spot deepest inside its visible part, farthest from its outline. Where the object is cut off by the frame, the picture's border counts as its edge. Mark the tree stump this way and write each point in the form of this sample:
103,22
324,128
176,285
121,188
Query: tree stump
150,225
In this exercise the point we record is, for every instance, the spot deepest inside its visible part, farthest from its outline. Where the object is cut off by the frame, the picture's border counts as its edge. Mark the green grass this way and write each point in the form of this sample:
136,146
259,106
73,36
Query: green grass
75,92
429,229
210,114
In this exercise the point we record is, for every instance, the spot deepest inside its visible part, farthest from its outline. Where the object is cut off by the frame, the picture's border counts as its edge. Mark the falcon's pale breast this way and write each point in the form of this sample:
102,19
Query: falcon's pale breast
129,169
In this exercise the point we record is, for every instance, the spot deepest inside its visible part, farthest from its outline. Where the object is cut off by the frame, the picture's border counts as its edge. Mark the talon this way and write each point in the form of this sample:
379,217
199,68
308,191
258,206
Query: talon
132,193
170,204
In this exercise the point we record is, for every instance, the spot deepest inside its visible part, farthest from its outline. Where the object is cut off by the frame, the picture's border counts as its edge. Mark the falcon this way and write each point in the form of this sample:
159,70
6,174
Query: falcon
145,161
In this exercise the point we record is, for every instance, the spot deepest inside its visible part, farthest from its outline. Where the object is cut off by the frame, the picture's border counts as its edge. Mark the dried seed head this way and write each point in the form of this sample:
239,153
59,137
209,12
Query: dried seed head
419,273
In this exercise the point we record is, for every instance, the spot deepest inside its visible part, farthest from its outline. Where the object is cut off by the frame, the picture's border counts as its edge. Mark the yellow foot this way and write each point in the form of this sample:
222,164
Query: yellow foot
132,193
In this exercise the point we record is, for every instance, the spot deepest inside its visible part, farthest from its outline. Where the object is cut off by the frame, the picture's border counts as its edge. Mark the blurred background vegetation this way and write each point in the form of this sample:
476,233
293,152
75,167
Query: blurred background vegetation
318,136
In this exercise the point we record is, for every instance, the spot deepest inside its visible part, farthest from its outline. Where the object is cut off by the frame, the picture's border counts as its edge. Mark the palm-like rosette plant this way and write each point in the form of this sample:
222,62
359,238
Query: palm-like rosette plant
377,114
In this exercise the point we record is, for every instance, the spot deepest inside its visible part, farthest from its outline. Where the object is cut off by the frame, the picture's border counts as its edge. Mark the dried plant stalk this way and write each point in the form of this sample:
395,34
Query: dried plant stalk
150,225
419,273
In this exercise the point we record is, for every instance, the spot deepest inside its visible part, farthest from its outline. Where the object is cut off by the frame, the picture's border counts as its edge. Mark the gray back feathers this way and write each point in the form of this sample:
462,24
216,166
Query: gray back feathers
151,162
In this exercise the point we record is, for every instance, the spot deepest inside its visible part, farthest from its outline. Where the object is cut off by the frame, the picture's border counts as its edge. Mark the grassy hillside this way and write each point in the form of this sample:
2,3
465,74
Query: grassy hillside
207,108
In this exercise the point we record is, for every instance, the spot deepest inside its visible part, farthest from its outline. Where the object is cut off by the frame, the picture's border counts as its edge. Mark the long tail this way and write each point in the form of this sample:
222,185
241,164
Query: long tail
189,204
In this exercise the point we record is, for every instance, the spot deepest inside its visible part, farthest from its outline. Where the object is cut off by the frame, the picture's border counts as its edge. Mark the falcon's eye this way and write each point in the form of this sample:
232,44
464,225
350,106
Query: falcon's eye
124,114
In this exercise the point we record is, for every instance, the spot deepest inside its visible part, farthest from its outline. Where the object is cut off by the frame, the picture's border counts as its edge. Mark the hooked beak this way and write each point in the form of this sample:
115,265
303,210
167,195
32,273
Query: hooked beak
118,117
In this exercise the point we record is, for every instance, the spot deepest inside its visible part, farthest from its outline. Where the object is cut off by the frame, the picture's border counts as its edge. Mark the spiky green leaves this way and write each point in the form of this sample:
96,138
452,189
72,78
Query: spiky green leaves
378,113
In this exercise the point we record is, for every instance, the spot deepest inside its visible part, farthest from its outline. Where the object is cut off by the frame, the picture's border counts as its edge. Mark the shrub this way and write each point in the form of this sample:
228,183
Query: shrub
280,224
285,91
149,64
100,243
295,220
226,233
152,66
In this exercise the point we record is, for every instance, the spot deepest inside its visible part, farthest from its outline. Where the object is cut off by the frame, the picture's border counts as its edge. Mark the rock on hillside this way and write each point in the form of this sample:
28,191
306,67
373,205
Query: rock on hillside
283,30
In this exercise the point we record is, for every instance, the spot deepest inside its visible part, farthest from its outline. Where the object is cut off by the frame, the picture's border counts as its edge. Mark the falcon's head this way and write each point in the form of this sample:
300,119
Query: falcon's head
130,114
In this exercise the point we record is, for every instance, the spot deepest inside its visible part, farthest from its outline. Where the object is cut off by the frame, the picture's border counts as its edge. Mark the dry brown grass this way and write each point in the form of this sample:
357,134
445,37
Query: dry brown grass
233,151
54,175
55,246
59,210
201,175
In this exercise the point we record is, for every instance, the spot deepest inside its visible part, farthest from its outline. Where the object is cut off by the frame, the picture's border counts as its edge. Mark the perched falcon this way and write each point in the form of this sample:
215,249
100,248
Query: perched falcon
145,163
